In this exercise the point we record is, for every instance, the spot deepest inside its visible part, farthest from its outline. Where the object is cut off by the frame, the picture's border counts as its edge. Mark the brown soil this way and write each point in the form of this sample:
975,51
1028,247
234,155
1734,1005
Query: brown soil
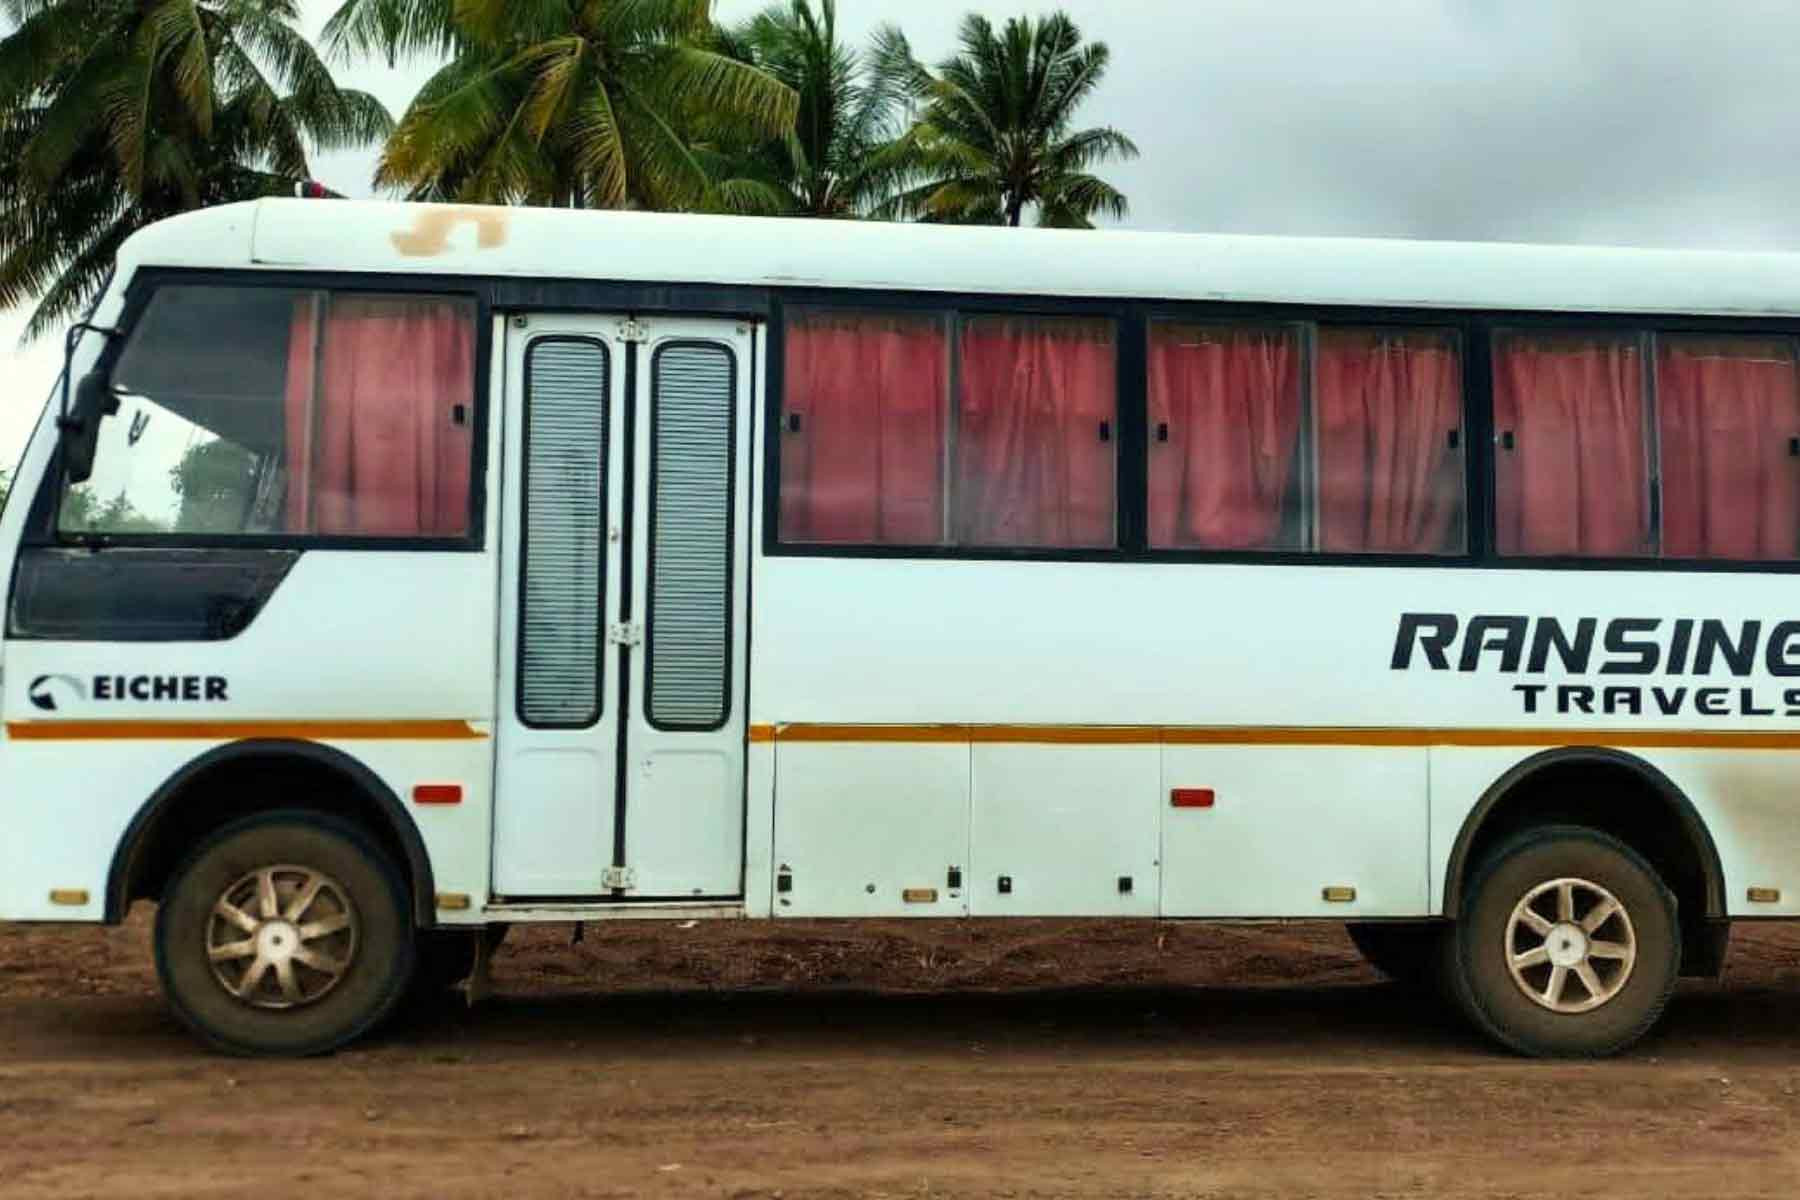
1025,1059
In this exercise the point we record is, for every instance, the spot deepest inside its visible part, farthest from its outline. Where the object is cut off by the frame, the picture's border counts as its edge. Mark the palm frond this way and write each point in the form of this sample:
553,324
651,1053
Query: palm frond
53,39
1077,198
553,70
1089,147
81,277
171,38
121,112
393,29
599,150
665,172
677,75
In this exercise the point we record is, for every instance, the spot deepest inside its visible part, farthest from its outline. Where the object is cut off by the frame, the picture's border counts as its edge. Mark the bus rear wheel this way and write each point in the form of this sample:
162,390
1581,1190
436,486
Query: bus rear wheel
286,933
1567,944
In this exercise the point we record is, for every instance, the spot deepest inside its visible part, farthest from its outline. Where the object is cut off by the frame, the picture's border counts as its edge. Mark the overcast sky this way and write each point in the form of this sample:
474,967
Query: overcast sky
1655,123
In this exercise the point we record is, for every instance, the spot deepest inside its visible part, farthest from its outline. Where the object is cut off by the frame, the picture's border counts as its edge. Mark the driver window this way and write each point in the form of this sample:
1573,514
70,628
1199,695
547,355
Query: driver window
282,412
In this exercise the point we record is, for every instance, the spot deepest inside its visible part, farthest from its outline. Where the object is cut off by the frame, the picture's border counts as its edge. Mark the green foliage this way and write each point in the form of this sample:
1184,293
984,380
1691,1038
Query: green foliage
85,512
578,103
997,133
117,113
845,154
215,480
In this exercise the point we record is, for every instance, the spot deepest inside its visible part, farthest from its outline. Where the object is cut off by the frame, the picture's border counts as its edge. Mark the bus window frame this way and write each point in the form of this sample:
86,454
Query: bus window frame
1475,329
41,527
509,295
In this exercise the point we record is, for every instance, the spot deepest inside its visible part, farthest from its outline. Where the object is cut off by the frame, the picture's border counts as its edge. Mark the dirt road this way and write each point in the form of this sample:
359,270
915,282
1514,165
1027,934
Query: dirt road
914,1061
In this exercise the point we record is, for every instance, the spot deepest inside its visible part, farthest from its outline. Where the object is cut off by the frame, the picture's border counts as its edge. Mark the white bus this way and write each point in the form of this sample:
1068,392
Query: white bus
392,573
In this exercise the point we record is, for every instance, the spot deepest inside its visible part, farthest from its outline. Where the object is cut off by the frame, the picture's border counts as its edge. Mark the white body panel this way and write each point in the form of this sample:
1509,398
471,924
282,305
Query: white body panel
418,646
1072,830
859,827
1250,647
765,252
1184,644
1288,822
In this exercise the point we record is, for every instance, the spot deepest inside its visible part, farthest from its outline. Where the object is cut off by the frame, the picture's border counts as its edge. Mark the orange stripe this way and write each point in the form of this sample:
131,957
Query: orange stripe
1280,735
1059,735
225,731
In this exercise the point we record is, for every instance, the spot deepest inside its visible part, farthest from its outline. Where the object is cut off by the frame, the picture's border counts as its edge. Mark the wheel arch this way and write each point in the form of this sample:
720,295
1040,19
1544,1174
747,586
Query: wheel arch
1525,786
185,807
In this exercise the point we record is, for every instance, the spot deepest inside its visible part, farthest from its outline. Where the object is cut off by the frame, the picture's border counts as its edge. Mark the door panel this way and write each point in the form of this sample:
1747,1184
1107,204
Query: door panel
684,808
555,800
622,685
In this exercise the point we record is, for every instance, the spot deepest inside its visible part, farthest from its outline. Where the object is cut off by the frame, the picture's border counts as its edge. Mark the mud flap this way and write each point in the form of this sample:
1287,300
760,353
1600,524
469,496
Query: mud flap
478,985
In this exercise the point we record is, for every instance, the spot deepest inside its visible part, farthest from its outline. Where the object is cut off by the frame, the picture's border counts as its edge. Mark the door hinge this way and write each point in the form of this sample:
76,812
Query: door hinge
625,633
619,878
633,330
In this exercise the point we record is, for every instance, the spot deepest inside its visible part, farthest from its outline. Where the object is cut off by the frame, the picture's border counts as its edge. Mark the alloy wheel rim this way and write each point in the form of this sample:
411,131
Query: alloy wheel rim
1570,946
282,937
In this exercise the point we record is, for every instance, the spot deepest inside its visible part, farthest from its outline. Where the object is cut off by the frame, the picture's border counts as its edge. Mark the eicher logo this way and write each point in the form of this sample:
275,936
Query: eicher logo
52,693
1691,657
46,688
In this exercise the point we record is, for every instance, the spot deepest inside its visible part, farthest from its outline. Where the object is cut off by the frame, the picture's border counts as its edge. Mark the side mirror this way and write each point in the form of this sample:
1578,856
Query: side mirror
80,425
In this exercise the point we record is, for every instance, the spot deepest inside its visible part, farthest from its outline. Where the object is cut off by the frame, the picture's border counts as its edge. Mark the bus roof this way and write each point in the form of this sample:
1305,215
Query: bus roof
538,243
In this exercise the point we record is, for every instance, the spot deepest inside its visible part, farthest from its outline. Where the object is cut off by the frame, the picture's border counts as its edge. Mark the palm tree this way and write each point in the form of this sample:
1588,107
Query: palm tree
846,153
117,113
996,135
582,103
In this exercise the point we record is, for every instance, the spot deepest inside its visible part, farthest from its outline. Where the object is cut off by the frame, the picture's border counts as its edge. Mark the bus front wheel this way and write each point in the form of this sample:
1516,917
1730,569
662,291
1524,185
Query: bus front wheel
1567,944
286,933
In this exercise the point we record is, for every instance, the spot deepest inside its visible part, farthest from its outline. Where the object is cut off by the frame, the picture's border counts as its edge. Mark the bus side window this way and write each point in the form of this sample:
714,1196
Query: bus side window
1571,471
1250,450
1225,406
879,449
1728,414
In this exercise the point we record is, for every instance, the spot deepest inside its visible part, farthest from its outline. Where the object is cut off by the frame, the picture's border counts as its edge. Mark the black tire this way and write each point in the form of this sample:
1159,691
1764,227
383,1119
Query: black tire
1477,974
1405,951
377,951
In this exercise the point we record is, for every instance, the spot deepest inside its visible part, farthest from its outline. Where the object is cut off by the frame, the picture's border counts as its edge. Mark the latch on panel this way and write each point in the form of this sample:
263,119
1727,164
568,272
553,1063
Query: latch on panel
620,878
633,330
625,633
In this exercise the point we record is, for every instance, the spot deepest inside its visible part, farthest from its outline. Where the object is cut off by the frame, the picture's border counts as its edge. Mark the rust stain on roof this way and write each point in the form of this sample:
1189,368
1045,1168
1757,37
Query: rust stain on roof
430,232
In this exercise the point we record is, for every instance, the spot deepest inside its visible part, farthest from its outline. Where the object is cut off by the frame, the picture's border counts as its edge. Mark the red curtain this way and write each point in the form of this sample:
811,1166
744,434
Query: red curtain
1228,400
866,463
374,448
1573,480
1387,403
1727,408
1035,434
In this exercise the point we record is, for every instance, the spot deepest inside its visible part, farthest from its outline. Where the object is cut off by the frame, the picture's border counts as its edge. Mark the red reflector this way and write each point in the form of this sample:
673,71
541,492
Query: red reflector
1191,798
437,793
